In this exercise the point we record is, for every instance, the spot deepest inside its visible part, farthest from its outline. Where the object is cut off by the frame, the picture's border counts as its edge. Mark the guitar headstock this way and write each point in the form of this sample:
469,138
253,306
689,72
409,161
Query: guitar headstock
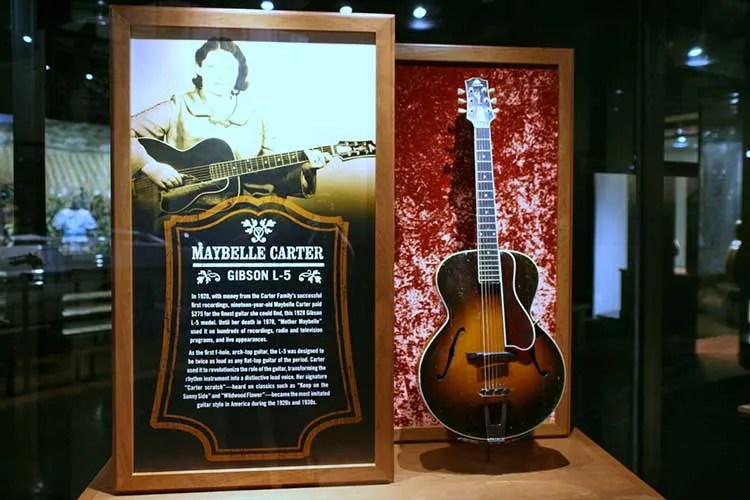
478,110
347,150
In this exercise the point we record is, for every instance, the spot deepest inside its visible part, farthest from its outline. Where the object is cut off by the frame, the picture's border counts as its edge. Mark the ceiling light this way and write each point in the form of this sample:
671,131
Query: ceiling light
26,38
346,9
419,12
695,51
266,5
89,76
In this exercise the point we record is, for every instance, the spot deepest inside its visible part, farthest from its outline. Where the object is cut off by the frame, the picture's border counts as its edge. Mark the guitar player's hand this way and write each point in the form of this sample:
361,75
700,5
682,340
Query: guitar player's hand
316,159
163,175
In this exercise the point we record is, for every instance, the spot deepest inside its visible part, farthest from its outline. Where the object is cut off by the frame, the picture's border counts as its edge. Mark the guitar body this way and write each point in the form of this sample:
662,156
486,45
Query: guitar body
510,391
151,203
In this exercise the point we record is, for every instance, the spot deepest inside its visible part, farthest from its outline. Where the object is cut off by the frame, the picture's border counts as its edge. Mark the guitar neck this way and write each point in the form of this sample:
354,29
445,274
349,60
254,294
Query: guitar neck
213,160
489,268
222,170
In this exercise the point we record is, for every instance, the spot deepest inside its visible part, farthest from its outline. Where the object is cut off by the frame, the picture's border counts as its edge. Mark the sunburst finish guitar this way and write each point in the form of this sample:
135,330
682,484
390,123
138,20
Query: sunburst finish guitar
490,373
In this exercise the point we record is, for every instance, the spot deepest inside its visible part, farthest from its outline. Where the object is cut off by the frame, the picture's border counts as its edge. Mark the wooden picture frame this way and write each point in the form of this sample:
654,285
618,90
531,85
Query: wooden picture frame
474,59
144,458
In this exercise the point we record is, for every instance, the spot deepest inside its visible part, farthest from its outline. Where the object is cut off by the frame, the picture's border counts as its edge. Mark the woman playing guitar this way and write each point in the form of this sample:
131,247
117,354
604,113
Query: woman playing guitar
218,108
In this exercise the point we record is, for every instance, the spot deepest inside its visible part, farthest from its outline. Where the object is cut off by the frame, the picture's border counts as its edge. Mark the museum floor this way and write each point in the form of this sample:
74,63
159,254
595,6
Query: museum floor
61,437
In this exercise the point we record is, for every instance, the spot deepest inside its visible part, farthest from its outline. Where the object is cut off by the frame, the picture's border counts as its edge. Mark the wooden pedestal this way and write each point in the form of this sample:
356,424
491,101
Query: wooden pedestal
550,468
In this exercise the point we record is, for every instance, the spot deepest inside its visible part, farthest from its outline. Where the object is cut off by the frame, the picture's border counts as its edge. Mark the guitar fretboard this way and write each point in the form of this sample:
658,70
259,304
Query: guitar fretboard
488,261
246,166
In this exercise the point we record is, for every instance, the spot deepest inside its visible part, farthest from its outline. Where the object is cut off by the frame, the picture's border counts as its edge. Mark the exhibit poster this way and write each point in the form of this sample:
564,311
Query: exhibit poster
253,195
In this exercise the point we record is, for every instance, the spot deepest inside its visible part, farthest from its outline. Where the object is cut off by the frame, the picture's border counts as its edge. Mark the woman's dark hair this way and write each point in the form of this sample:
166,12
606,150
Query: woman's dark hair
214,43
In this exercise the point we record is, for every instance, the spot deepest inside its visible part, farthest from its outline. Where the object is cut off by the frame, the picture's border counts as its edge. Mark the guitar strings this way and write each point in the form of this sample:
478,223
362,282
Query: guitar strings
201,175
485,332
200,169
485,297
498,299
496,331
491,265
496,319
498,295
480,263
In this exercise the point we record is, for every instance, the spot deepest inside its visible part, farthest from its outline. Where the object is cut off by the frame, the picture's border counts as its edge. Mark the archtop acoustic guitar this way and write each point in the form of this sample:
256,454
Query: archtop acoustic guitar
490,373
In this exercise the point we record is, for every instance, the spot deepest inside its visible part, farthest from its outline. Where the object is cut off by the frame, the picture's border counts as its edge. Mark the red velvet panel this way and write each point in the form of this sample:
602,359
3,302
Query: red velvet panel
435,214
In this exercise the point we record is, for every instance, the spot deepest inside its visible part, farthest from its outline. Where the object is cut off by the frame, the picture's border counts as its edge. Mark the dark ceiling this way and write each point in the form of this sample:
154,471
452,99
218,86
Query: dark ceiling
75,39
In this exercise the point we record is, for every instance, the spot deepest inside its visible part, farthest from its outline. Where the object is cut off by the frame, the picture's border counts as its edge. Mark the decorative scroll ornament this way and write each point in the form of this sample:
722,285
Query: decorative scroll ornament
258,230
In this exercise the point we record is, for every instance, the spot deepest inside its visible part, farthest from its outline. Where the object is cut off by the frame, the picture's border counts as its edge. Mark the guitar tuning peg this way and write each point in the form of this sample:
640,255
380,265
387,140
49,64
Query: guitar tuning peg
461,101
461,111
493,100
460,91
495,110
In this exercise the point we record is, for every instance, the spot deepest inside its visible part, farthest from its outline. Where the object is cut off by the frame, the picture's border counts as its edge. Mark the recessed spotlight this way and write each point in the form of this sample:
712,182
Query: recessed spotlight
266,5
695,51
419,12
26,38
346,9
47,67
89,76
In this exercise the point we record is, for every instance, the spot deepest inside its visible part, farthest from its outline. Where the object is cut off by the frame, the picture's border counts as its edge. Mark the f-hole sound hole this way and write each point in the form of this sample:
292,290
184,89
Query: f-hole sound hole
451,353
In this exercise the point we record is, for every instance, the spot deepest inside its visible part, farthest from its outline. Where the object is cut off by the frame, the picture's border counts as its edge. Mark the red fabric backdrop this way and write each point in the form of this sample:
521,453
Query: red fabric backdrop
434,207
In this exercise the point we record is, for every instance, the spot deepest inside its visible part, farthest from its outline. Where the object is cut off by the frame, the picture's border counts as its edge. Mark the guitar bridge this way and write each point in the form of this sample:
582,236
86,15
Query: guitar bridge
490,357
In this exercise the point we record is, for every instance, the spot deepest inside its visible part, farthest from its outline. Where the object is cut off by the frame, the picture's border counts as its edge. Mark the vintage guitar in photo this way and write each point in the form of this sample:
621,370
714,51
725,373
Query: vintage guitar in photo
490,373
209,168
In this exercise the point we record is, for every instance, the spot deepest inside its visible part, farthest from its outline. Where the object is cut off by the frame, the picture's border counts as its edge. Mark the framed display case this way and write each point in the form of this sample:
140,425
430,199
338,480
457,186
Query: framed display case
253,248
436,210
